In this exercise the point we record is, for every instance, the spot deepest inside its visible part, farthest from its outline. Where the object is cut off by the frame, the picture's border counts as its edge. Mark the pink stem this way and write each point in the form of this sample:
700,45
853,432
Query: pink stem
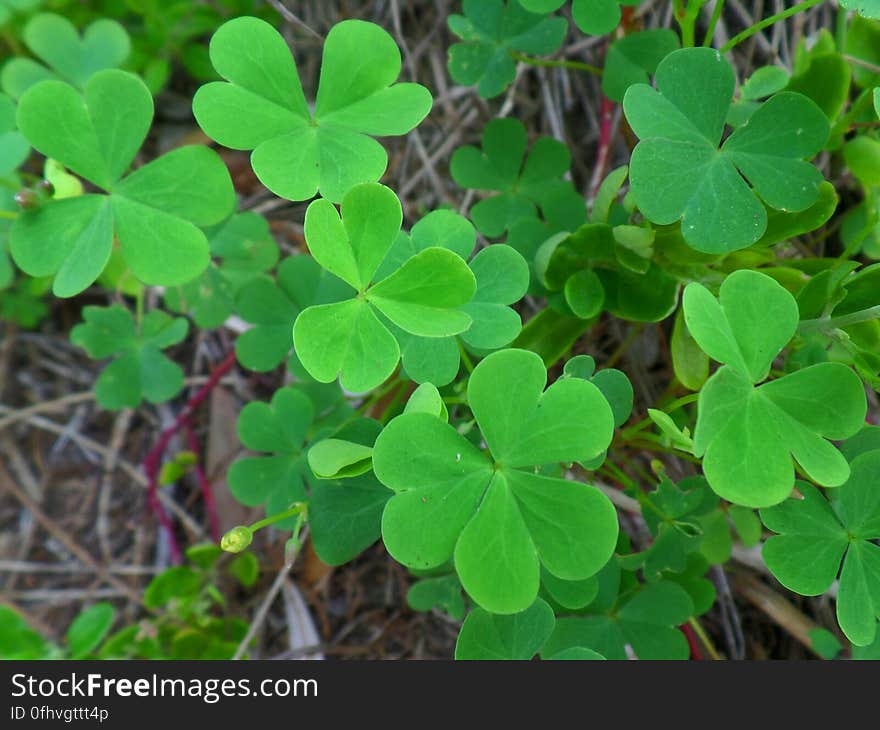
694,645
606,136
153,459
204,483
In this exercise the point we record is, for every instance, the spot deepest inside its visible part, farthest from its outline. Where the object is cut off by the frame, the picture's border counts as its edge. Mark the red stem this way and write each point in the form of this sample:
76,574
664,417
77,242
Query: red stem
153,460
606,135
204,482
693,643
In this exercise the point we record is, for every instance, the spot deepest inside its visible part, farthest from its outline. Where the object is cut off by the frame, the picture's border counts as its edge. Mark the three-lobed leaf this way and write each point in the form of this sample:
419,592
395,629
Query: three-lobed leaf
139,369
153,212
296,152
816,535
489,31
491,512
351,339
67,55
748,435
678,172
523,182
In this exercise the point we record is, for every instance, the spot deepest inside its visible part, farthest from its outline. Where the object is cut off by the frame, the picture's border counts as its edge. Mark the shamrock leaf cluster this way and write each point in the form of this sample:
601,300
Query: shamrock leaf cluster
646,620
817,535
677,171
492,512
296,152
139,369
490,30
152,213
423,297
521,185
344,512
748,435
278,429
66,55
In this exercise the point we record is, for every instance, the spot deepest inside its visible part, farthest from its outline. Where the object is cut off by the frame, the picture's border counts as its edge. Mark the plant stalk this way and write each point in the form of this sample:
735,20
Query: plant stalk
767,22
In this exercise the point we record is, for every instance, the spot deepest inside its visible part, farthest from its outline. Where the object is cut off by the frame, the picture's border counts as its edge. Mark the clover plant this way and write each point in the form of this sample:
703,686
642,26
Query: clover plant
413,370
298,152
66,55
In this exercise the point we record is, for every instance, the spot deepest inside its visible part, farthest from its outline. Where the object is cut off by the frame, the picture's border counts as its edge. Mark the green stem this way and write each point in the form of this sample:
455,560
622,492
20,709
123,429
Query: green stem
863,101
772,20
823,324
465,358
298,509
8,214
704,637
686,13
546,63
713,21
628,433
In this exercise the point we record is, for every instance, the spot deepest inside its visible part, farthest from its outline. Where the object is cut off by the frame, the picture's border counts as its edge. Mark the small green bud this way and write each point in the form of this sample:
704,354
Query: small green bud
237,539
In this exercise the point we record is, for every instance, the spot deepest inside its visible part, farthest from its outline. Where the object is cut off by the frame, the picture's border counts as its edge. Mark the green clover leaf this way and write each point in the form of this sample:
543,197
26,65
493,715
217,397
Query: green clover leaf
498,517
443,592
246,249
17,639
345,511
67,56
594,17
501,275
424,296
633,58
336,458
490,30
346,516
646,622
515,637
139,370
613,384
747,436
14,148
273,306
261,106
677,171
279,429
153,212
815,535
521,186
88,629
866,8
